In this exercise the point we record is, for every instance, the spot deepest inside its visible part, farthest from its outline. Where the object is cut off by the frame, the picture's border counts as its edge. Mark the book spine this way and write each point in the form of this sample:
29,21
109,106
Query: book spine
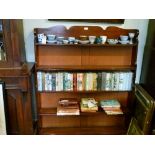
99,81
94,81
75,81
43,81
108,82
80,81
39,81
50,82
53,81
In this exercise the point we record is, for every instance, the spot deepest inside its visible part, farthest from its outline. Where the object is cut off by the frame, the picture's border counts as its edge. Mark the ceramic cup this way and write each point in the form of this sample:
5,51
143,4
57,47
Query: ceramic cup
92,39
103,38
40,37
51,37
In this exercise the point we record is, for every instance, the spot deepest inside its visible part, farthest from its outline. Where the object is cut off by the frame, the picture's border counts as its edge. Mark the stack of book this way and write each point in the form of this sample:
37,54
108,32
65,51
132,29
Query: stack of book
68,106
111,107
88,105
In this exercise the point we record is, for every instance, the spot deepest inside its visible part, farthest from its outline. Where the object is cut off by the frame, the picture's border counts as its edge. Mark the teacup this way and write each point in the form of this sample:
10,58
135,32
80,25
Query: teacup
40,37
50,37
103,38
92,39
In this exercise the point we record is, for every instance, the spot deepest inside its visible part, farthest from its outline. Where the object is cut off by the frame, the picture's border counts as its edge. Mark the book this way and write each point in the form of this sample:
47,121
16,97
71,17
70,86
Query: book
68,106
68,81
68,110
80,81
88,105
68,101
109,103
114,112
39,81
53,81
75,81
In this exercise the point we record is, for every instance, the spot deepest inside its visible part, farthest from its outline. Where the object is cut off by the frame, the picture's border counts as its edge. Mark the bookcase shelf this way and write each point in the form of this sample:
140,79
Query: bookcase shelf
53,111
86,91
87,45
84,58
86,68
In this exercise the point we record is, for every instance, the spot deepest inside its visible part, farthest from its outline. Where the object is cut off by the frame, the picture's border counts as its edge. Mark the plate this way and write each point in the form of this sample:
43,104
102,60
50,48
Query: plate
124,42
51,41
83,41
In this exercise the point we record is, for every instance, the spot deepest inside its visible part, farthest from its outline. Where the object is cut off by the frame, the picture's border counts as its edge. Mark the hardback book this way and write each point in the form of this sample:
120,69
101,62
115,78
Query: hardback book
43,81
94,81
108,81
109,103
99,81
75,81
68,110
39,81
80,81
114,112
68,106
59,81
68,101
68,81
88,105
53,81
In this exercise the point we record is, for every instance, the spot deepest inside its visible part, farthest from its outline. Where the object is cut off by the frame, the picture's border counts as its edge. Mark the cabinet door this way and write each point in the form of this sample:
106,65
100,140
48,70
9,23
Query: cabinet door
144,109
5,44
12,52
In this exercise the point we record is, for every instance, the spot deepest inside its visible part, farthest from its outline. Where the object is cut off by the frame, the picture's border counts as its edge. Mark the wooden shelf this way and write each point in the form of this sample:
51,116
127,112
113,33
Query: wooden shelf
86,91
91,45
53,111
106,130
86,68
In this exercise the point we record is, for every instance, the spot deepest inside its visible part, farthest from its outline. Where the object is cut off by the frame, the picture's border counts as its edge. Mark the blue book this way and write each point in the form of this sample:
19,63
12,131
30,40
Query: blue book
109,103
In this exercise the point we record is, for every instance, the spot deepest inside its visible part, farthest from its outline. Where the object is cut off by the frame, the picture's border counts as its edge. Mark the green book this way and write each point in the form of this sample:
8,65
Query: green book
109,103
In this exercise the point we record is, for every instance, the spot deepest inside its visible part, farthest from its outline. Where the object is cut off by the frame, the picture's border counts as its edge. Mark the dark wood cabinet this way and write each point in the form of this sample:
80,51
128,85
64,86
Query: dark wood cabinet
17,75
84,58
147,79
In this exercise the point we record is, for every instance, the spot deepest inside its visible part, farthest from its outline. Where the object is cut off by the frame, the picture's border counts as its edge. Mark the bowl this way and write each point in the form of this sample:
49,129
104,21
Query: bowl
51,37
71,39
83,37
123,38
112,41
65,41
60,39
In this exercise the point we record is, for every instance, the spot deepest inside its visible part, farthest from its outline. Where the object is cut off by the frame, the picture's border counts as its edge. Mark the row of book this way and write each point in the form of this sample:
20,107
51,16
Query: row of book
70,106
65,81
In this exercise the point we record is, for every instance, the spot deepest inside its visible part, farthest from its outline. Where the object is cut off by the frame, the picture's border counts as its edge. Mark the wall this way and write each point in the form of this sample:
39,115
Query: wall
30,24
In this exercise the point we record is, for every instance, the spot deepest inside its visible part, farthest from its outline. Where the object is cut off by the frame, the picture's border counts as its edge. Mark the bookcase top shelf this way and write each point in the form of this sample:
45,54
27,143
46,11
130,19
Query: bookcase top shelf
88,45
85,68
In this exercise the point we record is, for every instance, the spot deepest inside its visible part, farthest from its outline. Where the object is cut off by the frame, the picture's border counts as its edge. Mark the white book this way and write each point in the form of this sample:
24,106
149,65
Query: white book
39,81
46,81
130,80
108,81
50,82
116,81
121,81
